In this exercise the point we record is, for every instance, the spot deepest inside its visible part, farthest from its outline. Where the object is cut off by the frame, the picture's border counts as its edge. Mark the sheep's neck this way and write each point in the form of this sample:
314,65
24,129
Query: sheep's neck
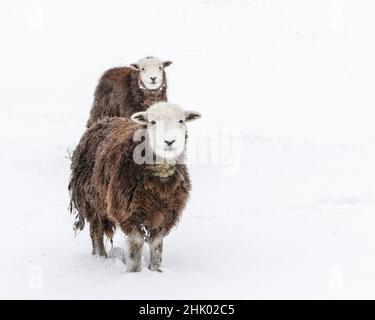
162,170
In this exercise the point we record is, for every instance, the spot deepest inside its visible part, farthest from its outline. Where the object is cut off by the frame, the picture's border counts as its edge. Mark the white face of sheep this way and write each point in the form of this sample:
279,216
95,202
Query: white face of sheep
166,128
151,72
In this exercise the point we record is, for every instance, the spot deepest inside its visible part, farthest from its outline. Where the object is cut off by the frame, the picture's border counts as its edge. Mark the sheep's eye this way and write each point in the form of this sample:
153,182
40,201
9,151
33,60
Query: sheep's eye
143,69
181,121
160,68
152,122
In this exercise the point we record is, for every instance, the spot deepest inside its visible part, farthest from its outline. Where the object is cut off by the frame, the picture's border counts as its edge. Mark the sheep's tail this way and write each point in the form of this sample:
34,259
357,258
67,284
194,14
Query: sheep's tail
79,224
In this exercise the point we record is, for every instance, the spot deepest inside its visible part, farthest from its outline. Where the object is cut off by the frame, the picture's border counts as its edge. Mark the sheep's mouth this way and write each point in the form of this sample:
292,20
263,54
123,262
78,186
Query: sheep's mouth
150,86
154,85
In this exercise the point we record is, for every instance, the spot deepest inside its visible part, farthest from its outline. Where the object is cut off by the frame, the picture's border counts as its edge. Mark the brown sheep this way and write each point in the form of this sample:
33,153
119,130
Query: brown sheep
125,90
115,181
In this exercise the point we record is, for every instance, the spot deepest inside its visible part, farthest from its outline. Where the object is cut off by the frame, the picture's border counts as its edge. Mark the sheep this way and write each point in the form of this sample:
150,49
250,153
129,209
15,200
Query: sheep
131,173
125,90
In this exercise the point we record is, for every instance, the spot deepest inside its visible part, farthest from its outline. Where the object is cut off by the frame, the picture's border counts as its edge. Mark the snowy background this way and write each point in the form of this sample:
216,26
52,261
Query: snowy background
291,82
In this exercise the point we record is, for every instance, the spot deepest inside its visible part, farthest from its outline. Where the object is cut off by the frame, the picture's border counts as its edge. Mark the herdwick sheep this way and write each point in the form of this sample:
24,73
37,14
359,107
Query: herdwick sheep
130,173
126,90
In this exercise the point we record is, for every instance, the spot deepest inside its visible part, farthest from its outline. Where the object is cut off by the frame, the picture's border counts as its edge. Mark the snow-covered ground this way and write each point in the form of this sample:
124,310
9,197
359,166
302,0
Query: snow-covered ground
288,214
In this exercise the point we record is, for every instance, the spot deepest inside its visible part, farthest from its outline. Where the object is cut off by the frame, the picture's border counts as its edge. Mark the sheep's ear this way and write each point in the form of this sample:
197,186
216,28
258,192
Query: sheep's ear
191,116
140,117
134,66
167,63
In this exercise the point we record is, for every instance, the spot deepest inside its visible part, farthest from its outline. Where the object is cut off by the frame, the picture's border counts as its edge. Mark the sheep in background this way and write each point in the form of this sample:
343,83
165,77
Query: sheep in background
115,180
125,90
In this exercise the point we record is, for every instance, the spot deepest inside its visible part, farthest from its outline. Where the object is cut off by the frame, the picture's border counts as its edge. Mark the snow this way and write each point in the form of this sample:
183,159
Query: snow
287,211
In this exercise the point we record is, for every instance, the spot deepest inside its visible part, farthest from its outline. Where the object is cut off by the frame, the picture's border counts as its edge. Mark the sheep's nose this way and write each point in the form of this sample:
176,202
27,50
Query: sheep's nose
169,143
153,79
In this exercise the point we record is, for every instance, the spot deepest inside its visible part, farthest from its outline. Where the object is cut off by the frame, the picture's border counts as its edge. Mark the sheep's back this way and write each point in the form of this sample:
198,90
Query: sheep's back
111,94
112,79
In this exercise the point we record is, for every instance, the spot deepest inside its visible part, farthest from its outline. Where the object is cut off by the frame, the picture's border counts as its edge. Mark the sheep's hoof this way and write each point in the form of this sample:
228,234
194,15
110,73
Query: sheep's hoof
155,268
100,254
133,269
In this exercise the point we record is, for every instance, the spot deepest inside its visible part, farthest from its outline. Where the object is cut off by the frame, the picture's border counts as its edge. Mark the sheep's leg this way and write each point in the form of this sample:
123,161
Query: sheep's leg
109,230
135,246
156,251
97,238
